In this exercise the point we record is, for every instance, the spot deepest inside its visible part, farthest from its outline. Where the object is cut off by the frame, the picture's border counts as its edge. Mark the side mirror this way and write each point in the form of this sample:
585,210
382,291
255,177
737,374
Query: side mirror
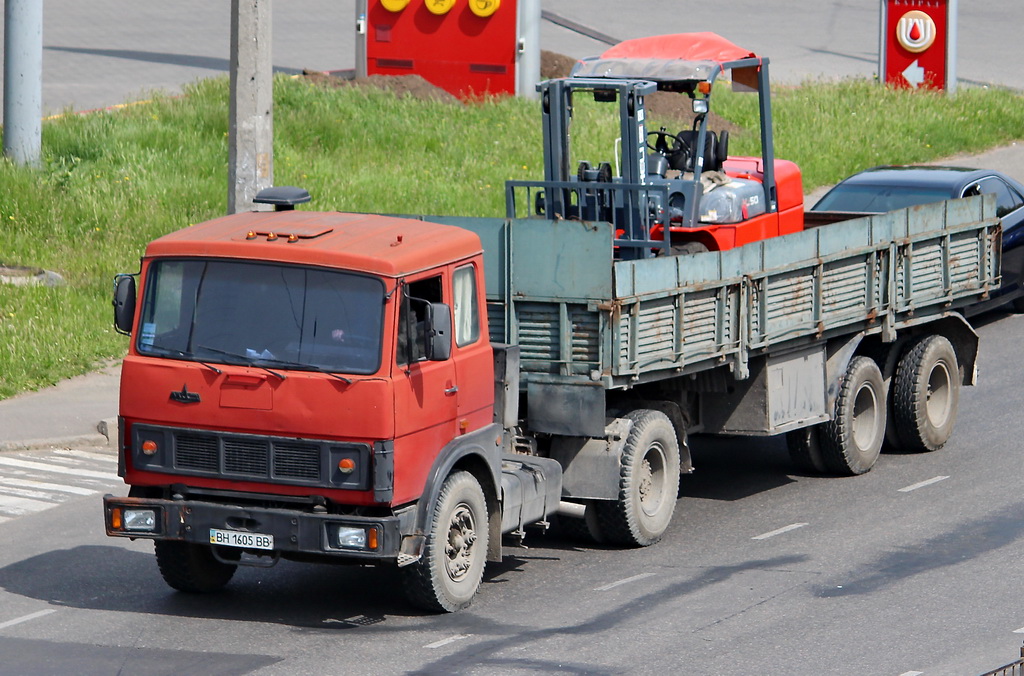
700,106
439,332
124,303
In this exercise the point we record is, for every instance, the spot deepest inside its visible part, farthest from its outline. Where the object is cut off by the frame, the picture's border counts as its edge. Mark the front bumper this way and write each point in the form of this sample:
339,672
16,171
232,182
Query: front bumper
294,531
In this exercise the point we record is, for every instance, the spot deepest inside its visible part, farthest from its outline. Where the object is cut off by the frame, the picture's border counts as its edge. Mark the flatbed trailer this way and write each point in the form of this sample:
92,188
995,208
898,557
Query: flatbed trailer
587,325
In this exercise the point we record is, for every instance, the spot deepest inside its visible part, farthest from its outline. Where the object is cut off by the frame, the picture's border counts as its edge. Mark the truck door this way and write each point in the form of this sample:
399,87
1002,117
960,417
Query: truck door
474,361
425,391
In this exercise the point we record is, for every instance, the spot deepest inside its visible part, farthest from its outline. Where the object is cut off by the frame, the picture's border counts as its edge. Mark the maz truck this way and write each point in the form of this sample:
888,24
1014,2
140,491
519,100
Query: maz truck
418,392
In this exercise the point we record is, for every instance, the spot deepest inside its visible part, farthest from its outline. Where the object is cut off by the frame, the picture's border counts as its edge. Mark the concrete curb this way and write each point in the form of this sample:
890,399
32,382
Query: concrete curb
105,439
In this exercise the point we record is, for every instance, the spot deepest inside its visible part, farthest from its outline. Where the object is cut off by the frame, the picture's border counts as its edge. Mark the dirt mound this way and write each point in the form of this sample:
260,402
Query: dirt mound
665,108
402,85
553,64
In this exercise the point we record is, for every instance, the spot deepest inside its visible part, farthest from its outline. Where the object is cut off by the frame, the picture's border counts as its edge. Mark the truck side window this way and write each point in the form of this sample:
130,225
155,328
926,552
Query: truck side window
412,336
467,310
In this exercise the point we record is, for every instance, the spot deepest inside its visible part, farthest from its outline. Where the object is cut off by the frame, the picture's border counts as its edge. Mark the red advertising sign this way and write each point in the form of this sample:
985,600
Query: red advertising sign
916,45
467,47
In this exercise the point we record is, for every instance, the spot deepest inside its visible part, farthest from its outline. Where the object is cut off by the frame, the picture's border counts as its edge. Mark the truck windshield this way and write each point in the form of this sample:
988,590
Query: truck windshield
232,312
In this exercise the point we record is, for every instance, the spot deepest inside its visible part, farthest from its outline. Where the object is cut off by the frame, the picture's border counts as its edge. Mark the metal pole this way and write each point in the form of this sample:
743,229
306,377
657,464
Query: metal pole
361,31
528,48
23,80
251,124
882,20
951,37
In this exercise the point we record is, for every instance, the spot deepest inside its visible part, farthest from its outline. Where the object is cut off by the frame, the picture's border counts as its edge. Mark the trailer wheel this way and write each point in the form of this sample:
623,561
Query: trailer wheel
852,440
648,483
448,575
191,567
805,450
926,391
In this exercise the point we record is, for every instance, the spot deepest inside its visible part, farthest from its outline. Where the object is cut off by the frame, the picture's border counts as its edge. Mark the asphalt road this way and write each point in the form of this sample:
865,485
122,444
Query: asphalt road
106,52
912,568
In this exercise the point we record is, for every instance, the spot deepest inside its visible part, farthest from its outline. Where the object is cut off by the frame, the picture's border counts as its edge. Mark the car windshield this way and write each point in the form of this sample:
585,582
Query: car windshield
878,199
256,313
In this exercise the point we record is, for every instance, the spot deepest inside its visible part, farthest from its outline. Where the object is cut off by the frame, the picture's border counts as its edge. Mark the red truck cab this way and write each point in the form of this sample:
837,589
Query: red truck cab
310,385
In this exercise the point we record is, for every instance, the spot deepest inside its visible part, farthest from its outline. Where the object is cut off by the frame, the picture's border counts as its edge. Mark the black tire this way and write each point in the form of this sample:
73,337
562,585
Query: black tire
1017,304
805,450
925,394
192,568
448,575
852,440
648,483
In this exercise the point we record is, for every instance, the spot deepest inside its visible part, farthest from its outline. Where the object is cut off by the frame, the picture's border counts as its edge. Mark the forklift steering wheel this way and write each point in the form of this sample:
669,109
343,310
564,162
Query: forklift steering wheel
661,144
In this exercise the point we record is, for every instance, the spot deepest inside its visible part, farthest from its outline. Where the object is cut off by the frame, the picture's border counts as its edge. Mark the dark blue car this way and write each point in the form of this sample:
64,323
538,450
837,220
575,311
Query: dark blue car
896,187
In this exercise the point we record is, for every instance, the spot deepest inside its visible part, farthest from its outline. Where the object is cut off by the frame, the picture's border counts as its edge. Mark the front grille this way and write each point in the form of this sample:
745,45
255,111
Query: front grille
252,457
246,456
196,452
297,461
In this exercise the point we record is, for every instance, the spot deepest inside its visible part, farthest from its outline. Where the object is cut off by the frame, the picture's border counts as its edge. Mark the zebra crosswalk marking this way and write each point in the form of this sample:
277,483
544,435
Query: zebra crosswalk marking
42,467
26,493
43,485
13,506
86,455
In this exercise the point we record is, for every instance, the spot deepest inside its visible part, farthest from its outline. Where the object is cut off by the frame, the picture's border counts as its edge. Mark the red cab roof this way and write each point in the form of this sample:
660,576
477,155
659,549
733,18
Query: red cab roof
384,245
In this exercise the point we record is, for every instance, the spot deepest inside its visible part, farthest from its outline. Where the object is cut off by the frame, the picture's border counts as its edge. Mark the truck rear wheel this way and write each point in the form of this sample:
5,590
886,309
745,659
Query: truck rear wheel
191,567
852,440
448,575
648,483
926,391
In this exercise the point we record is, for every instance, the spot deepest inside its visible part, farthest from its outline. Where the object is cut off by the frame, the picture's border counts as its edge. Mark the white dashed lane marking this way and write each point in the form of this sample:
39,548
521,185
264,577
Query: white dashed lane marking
619,583
778,531
445,641
922,484
25,618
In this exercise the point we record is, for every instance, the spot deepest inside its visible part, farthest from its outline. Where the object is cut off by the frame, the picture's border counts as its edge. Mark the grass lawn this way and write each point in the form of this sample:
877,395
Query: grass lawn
110,182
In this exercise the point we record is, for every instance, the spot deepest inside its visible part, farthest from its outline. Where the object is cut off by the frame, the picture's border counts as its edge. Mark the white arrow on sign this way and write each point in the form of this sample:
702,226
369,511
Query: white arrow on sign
914,74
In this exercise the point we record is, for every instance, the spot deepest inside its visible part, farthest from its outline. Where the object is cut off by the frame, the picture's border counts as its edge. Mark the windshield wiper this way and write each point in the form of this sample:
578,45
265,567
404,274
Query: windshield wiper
247,361
184,355
309,367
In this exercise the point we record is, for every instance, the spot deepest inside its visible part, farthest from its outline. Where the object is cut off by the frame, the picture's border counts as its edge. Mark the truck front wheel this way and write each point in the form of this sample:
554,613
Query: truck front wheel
448,575
648,483
191,568
852,440
926,391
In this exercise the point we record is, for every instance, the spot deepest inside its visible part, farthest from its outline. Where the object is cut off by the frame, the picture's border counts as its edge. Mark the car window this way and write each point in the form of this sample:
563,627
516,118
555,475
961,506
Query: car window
877,199
1007,199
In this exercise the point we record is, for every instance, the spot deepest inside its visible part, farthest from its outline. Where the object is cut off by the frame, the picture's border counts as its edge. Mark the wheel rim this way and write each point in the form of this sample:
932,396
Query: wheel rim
865,418
651,480
938,400
461,537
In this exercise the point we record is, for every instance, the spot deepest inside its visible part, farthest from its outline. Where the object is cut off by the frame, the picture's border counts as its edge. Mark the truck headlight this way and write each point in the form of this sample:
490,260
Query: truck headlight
351,537
143,520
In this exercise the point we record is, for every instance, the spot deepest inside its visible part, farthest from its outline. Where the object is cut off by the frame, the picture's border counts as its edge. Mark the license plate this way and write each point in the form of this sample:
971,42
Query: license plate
234,538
